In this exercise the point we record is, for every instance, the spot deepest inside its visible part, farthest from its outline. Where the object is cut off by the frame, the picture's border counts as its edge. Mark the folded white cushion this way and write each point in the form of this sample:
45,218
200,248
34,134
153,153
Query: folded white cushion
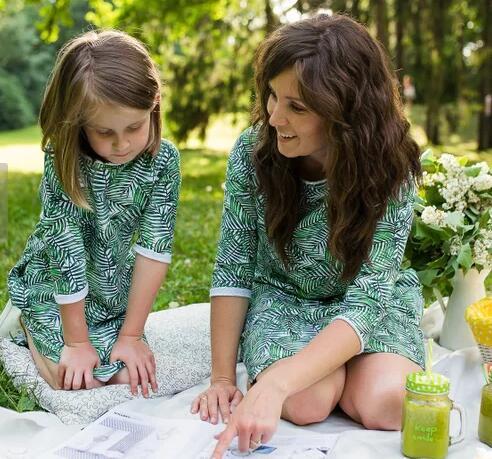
179,338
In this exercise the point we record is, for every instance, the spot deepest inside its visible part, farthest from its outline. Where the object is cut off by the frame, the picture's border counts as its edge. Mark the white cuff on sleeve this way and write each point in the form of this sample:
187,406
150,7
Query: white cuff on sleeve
355,330
230,291
73,298
147,253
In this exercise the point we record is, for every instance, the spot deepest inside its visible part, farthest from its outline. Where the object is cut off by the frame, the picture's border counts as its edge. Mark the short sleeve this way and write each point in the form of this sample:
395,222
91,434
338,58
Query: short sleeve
372,290
238,241
156,227
61,234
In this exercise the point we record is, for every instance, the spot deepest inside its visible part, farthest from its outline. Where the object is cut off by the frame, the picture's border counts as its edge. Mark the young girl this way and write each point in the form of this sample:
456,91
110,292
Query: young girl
95,261
318,207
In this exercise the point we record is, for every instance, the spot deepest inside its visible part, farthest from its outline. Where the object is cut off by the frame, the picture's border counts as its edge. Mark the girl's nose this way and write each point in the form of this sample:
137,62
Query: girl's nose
120,143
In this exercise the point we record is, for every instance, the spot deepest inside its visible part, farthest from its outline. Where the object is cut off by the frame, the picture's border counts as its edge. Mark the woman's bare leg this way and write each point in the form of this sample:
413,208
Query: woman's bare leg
315,403
375,388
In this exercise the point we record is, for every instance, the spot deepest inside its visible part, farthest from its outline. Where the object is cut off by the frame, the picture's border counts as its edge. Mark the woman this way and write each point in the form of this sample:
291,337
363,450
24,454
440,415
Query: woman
318,208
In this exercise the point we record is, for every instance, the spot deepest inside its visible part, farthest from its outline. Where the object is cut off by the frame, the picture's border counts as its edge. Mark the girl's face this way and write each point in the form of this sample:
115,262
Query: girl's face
300,131
118,134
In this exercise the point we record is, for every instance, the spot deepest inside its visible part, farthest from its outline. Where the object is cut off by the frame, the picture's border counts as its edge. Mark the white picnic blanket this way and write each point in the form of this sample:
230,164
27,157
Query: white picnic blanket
462,367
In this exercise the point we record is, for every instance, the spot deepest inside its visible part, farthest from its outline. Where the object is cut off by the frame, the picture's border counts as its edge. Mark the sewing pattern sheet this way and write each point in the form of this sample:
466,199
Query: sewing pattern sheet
285,447
126,434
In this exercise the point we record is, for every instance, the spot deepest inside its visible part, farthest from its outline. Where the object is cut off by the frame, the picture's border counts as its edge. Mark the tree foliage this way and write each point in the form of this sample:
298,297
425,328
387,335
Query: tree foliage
205,48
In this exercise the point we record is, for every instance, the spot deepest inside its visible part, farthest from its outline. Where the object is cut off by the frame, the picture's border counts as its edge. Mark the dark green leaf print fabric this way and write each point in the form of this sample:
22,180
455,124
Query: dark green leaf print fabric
75,253
288,307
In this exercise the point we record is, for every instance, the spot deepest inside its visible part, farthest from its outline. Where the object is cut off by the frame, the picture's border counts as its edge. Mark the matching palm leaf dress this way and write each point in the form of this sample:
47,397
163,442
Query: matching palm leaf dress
288,307
75,253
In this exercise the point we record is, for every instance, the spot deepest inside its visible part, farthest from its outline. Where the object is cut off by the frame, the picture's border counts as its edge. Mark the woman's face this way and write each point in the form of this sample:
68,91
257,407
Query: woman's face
300,131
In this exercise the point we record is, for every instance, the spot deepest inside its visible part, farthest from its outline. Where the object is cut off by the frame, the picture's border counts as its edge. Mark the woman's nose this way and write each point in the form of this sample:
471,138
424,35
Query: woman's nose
277,116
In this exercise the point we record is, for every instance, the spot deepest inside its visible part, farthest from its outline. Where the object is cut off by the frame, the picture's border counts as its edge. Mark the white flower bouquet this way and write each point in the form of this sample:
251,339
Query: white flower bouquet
452,229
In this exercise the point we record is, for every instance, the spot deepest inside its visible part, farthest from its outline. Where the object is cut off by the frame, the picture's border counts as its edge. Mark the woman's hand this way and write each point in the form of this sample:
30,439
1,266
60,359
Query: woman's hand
139,361
255,419
223,396
77,361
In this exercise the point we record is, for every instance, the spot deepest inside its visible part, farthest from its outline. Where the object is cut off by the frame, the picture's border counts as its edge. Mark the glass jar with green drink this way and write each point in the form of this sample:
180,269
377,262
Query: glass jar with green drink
426,414
485,421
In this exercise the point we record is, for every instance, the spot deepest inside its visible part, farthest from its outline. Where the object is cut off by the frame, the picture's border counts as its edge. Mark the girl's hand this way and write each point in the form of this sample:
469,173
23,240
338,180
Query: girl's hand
223,396
77,361
139,361
254,421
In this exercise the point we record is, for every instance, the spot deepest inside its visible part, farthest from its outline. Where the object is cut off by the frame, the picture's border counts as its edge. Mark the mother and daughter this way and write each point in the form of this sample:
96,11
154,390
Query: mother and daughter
317,210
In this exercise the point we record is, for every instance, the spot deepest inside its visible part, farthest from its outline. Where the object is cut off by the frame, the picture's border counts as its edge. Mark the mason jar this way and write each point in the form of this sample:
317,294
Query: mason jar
426,413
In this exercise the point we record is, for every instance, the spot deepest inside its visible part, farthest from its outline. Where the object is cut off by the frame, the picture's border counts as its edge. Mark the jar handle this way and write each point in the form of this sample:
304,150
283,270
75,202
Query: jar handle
461,435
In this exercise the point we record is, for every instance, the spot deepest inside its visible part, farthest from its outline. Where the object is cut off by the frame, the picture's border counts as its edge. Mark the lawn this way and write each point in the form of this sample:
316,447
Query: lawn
203,171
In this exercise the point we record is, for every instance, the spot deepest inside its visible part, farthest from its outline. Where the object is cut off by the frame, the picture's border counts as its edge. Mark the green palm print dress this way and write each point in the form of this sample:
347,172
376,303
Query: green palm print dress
75,253
289,307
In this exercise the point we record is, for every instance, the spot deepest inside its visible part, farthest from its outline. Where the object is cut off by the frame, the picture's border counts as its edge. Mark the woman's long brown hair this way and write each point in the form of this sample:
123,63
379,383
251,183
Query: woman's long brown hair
344,77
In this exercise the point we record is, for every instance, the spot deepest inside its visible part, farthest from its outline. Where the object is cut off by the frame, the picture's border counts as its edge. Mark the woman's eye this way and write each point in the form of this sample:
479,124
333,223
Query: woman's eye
104,133
134,128
298,108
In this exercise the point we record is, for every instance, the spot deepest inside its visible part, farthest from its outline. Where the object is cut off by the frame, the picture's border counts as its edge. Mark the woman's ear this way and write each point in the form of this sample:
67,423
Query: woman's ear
157,100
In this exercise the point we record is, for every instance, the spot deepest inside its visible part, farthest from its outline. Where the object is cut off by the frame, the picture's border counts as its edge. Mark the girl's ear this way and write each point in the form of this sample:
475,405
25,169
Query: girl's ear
157,100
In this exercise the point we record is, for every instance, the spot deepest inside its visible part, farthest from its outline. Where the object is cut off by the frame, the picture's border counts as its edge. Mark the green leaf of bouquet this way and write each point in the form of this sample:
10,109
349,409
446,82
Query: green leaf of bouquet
465,258
472,171
455,219
462,161
484,218
429,166
433,197
428,161
472,212
427,276
441,262
432,232
427,155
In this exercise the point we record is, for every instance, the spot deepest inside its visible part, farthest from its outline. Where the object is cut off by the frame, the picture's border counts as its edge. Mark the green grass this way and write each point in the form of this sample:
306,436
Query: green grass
28,135
197,225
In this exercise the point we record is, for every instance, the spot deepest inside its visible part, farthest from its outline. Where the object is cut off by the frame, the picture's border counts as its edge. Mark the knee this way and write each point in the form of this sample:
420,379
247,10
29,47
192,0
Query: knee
382,410
51,379
122,377
302,412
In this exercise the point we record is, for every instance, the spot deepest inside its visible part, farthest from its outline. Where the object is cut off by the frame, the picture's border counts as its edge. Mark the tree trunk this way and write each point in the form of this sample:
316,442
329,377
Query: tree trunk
355,10
381,14
400,21
439,20
339,6
485,117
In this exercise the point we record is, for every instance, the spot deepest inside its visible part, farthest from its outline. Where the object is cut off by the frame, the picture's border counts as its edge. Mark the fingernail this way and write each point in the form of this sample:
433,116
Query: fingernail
226,420
213,420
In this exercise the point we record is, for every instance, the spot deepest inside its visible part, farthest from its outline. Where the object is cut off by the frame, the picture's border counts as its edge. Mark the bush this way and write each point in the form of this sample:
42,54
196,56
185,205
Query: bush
17,111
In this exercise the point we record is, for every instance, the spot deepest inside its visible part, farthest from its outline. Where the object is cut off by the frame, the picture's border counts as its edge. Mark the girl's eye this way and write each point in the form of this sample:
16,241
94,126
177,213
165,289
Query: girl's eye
104,133
135,128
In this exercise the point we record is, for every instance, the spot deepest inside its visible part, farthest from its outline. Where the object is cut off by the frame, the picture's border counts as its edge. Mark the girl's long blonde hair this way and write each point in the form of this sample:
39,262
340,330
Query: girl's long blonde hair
96,67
